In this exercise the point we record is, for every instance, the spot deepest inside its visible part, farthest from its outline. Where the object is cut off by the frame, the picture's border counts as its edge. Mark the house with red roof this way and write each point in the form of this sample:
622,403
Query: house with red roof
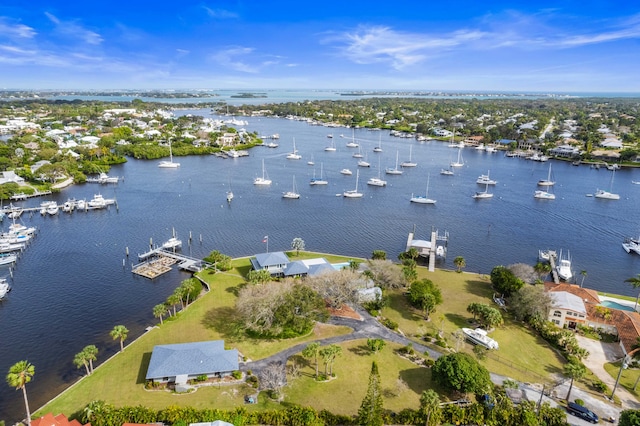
60,420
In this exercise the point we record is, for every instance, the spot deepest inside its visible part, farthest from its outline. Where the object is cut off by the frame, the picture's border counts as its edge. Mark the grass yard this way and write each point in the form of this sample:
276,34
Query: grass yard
627,379
523,355
402,380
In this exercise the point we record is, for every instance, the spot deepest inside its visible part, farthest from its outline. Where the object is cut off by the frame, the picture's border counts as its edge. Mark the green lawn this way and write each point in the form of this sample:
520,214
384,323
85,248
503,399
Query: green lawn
402,380
120,381
523,355
627,379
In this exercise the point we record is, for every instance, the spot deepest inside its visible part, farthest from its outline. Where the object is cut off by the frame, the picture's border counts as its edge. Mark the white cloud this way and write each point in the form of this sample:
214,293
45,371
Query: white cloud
75,31
12,30
239,58
220,13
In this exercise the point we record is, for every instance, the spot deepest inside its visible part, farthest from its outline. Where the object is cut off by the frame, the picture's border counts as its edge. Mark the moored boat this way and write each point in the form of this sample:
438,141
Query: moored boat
479,337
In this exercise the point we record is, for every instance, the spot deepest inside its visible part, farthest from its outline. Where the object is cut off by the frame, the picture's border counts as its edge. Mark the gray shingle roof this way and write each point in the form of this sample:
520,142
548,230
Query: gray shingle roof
296,268
191,359
271,259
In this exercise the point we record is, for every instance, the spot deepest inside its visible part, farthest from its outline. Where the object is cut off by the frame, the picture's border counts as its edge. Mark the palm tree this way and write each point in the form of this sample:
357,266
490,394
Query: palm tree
80,360
635,283
460,263
584,275
91,352
187,287
575,372
172,301
312,351
120,332
19,375
430,407
159,311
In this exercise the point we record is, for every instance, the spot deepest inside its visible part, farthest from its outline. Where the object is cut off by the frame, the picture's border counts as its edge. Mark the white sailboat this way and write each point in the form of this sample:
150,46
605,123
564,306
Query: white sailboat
346,172
353,143
483,194
377,181
293,194
264,180
363,162
358,154
607,195
548,181
353,193
459,162
420,199
311,162
320,181
293,155
331,147
169,164
379,147
544,195
446,172
409,163
394,171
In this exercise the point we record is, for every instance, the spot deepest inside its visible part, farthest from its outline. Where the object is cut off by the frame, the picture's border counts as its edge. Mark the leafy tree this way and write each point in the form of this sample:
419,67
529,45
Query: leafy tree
635,283
629,418
312,351
354,265
379,255
425,295
386,274
530,302
409,270
461,372
430,407
159,311
575,371
120,332
19,375
297,244
459,263
375,345
504,281
371,409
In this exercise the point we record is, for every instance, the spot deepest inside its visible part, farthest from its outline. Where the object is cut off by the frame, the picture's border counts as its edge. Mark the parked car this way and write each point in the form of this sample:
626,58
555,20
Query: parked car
582,412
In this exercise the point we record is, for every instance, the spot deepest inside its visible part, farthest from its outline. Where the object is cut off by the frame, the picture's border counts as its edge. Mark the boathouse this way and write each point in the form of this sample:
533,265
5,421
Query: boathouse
185,361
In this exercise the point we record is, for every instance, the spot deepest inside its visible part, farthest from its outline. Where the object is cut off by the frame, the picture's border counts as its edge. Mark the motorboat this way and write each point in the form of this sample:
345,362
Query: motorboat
363,163
486,180
172,243
563,268
99,202
8,258
544,195
631,245
4,288
272,145
346,172
479,337
68,206
105,178
229,196
264,180
446,172
7,247
53,209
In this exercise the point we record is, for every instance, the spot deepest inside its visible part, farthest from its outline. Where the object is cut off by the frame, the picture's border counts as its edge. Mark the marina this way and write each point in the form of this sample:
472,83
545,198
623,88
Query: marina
79,264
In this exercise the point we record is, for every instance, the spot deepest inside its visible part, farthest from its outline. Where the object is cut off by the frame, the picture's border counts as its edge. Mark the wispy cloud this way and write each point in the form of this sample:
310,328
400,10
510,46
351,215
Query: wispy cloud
220,13
15,30
74,30
239,58
374,44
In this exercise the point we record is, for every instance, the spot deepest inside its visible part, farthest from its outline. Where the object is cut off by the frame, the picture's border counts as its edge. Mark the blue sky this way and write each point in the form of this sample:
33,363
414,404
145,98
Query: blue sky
564,46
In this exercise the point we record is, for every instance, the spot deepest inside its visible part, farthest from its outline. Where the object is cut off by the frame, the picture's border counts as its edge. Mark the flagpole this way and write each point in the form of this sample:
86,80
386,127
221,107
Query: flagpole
267,244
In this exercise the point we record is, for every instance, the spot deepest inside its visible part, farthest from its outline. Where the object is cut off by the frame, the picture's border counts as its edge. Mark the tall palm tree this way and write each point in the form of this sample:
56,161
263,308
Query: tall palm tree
635,283
430,407
19,375
584,275
159,311
187,287
575,372
80,359
120,332
460,263
91,352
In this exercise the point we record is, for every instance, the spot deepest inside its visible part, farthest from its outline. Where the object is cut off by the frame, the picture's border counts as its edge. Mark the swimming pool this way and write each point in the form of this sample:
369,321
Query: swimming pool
340,266
615,305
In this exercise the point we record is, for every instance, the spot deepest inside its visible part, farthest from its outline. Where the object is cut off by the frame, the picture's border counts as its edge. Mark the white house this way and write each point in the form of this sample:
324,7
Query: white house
568,309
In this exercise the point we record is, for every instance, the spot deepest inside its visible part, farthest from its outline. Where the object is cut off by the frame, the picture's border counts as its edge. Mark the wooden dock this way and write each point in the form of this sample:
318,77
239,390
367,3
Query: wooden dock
158,261
154,268
554,272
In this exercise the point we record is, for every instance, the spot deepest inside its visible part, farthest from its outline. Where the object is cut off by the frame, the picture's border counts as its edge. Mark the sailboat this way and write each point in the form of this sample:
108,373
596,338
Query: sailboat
483,194
331,147
264,180
548,181
395,171
353,143
311,162
293,155
293,193
363,162
377,181
319,181
409,163
353,193
459,162
446,172
358,154
544,195
169,164
423,199
379,147
607,195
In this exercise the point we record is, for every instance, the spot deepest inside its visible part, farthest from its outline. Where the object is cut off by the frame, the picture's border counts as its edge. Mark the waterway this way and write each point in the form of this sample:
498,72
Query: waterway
74,282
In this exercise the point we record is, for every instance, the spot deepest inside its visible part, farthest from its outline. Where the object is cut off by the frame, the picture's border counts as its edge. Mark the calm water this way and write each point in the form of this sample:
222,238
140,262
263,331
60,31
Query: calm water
70,287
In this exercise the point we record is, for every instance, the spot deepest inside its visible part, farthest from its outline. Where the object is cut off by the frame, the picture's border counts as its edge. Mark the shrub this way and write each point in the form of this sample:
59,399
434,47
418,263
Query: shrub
579,402
252,381
390,324
429,362
201,378
237,374
407,350
600,386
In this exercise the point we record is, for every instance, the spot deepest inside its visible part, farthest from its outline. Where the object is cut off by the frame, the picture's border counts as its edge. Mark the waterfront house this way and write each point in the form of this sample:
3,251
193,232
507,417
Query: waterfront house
565,151
10,176
274,262
186,361
568,310
50,420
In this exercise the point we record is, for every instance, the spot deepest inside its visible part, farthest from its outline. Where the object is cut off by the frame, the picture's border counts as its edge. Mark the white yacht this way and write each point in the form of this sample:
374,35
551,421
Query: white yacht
346,172
544,195
172,243
99,202
446,172
479,337
377,181
331,147
606,195
563,268
53,209
8,258
459,162
631,245
4,288
264,180
486,180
